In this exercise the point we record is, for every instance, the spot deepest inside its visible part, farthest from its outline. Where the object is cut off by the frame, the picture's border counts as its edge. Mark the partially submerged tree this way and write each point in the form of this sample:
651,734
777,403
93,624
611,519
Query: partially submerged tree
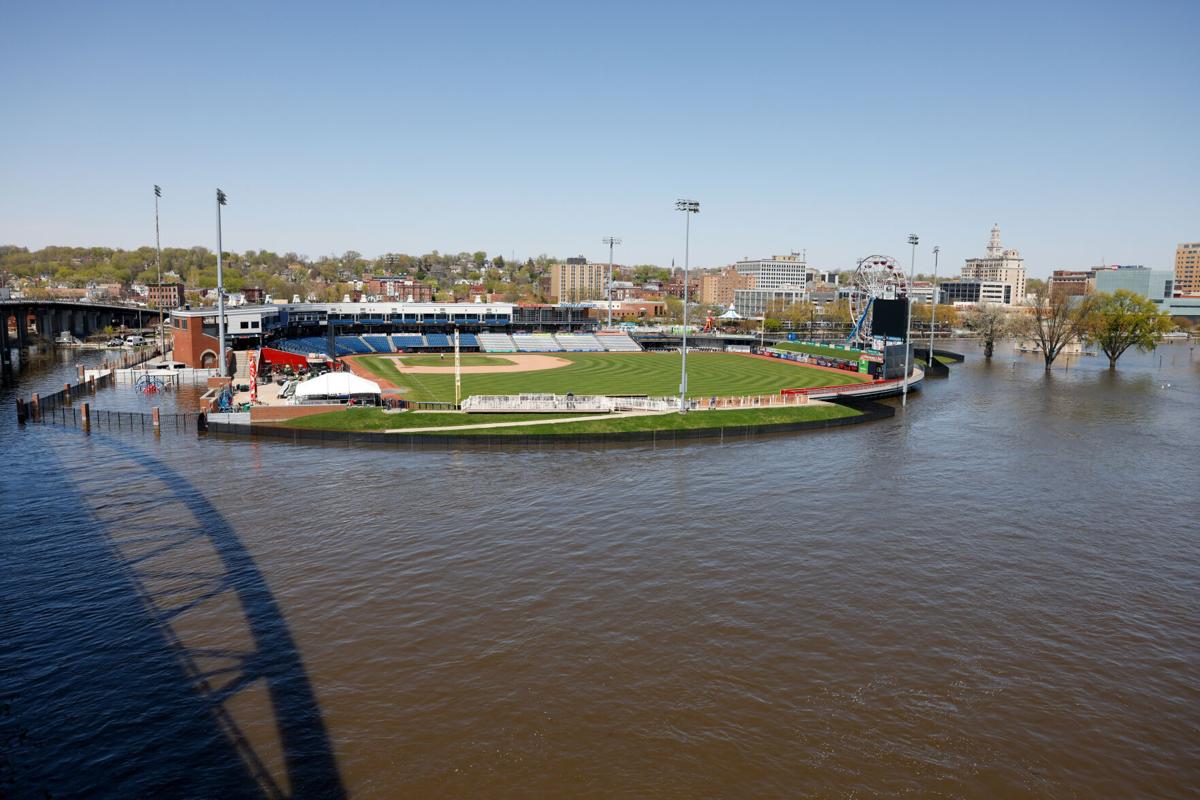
1118,321
991,322
1054,323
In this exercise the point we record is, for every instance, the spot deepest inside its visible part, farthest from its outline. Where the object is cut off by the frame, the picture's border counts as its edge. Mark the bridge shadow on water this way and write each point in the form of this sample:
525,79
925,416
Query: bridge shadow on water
144,654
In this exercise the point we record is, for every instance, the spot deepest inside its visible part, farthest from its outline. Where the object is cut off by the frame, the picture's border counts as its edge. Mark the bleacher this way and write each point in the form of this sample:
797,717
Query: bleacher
579,342
496,343
377,343
303,346
438,340
618,343
408,341
468,340
352,346
536,343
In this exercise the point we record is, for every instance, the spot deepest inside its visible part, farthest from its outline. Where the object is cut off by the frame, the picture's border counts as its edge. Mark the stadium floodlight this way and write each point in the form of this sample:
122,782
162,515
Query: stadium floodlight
162,341
913,240
611,241
688,207
221,200
933,304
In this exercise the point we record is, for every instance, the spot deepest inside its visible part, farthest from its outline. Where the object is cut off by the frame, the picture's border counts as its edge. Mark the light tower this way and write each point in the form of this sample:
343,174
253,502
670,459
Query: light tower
221,200
611,241
162,342
912,240
688,207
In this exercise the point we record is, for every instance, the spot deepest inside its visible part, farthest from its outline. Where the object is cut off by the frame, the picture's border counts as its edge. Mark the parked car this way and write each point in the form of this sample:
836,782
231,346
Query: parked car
134,341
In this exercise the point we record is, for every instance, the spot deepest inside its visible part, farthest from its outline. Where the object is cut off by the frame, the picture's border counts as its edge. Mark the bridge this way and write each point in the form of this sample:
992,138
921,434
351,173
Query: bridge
49,318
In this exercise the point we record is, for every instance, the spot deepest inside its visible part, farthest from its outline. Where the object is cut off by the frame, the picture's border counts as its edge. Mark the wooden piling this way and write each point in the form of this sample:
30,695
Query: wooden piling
86,416
155,417
79,368
35,407
22,413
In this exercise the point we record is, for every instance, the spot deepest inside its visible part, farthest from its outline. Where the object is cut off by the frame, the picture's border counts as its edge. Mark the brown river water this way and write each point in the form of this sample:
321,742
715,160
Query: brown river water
994,594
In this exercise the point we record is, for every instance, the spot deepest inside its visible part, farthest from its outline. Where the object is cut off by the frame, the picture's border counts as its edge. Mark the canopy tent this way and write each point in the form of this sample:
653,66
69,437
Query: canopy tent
731,314
338,386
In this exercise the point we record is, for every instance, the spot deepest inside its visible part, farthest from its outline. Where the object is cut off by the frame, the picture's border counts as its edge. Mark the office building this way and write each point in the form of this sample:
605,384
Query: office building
165,295
965,291
778,272
998,266
717,289
1072,282
1187,269
576,281
756,302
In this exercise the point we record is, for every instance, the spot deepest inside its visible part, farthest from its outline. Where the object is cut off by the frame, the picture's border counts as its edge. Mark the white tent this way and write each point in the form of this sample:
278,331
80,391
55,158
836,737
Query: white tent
731,314
337,386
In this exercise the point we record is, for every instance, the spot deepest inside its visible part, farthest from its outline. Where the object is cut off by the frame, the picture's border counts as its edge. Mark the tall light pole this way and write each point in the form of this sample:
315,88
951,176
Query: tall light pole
221,200
933,305
688,207
912,271
611,241
162,341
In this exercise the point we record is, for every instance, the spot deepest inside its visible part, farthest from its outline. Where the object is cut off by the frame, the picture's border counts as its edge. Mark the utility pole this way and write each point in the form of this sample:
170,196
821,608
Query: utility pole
162,340
912,271
610,241
688,207
221,200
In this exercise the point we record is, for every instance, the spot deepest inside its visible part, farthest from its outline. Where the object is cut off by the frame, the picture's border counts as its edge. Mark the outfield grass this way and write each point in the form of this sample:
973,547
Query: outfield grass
817,350
653,374
467,360
373,419
667,422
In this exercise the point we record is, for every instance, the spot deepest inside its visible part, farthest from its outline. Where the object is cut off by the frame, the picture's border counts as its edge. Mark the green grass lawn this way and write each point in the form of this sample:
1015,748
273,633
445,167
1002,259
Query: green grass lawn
373,419
665,422
816,350
467,360
653,374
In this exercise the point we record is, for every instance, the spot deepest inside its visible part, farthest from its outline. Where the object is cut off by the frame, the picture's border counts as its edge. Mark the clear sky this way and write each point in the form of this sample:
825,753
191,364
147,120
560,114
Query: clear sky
838,128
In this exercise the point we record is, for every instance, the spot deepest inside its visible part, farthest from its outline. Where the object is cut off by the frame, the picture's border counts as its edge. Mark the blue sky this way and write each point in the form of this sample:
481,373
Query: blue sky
838,128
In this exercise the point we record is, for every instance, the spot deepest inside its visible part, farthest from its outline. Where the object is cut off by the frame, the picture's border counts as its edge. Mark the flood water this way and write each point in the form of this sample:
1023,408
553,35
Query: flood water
994,594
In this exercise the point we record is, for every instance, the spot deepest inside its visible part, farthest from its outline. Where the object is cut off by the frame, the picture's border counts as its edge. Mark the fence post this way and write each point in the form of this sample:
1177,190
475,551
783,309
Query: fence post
35,407
67,393
155,417
79,367
92,384
87,416
21,412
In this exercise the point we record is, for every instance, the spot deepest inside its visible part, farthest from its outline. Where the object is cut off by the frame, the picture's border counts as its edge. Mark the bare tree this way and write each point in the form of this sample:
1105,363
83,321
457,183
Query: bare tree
991,322
1054,323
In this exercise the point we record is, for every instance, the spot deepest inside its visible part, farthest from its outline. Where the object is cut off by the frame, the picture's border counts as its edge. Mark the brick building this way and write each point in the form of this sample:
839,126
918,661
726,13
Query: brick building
165,295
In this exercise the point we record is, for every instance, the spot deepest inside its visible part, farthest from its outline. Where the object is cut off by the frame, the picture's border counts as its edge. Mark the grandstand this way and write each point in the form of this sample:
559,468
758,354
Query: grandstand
352,346
496,343
379,344
536,343
437,340
468,340
408,341
618,343
579,343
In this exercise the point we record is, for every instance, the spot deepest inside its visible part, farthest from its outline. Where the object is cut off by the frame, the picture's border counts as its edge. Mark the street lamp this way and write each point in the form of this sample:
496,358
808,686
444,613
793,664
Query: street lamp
611,241
912,240
933,305
221,200
688,207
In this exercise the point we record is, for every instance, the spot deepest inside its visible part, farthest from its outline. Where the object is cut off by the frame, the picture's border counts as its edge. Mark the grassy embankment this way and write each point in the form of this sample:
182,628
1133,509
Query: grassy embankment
373,419
651,374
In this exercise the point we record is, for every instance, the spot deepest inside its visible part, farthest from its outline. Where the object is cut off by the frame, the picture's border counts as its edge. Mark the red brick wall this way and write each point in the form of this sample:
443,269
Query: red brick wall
190,343
281,413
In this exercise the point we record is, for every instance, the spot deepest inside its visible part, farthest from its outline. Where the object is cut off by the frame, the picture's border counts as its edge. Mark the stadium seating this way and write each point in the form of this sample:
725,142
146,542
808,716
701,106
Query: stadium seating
438,340
468,340
352,346
408,341
618,342
496,343
579,343
378,343
304,346
536,343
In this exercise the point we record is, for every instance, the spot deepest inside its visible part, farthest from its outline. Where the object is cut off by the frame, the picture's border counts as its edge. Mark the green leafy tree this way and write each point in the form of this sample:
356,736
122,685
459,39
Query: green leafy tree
1121,320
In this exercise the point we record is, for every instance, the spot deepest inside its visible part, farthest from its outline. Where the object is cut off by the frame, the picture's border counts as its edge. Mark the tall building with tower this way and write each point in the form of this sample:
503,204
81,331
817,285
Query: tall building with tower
998,266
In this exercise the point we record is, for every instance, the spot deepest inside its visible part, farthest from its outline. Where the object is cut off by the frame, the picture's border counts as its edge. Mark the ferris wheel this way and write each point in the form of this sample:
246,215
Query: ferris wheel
877,278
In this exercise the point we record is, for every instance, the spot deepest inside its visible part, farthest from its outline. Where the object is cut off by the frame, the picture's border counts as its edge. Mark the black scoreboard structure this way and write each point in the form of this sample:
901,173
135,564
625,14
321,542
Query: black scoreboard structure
889,319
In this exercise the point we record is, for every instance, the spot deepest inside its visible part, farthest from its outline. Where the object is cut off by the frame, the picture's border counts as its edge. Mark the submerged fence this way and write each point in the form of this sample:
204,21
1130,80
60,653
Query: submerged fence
69,407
